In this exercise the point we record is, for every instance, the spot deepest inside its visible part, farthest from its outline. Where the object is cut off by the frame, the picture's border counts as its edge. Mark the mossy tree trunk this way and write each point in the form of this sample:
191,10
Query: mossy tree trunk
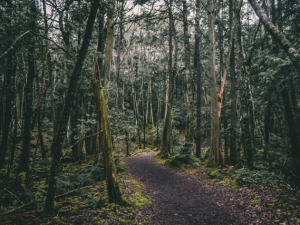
112,184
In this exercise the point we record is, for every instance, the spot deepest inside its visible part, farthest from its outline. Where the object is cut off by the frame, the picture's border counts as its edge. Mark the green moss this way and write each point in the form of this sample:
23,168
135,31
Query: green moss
141,200
214,173
22,177
226,182
75,210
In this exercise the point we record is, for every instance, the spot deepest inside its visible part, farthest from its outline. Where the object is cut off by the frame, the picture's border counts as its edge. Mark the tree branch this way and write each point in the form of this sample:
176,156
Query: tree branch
12,46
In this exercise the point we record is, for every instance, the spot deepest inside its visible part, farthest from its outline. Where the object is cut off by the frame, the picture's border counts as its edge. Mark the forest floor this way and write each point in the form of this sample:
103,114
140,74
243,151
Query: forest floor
81,196
159,191
190,197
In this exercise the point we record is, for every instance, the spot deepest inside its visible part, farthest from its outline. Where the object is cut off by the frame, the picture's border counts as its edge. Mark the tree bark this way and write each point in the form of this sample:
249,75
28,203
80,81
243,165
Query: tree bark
215,123
166,139
109,42
57,146
24,160
113,189
189,75
197,69
9,73
233,154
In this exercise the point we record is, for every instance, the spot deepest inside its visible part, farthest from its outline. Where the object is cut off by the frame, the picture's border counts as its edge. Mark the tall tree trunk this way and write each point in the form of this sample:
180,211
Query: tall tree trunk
9,73
228,61
109,43
119,49
49,204
233,154
215,123
15,132
292,127
166,139
24,160
100,49
246,70
189,76
197,69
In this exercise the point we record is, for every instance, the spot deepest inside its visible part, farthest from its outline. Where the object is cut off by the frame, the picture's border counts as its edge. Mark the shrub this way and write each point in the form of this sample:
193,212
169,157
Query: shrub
265,178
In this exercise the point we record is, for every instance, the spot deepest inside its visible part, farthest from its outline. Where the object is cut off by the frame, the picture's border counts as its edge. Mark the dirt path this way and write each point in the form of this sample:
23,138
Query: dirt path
178,199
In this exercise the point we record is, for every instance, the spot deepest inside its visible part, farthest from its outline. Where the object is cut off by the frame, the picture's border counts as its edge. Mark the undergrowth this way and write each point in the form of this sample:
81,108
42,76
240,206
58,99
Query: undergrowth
81,195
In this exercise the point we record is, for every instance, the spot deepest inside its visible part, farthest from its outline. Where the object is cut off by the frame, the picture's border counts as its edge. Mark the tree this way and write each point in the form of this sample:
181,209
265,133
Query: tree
277,35
197,69
49,204
215,127
166,139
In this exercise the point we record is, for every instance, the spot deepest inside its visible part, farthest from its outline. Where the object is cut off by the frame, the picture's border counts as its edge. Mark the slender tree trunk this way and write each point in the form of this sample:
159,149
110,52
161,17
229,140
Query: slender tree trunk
189,76
233,154
267,125
15,132
24,160
147,102
57,146
247,142
119,49
215,123
197,69
109,46
89,147
166,139
144,109
9,73
41,138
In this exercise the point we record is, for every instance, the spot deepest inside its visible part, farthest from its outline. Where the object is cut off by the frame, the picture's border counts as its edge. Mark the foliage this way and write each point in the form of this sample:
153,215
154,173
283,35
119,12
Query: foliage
177,160
255,177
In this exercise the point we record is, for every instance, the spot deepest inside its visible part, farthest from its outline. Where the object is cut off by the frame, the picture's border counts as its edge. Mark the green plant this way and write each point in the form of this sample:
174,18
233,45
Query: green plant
265,178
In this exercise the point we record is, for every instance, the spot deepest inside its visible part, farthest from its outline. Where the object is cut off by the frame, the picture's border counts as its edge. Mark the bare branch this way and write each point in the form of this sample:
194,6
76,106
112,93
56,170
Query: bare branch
12,46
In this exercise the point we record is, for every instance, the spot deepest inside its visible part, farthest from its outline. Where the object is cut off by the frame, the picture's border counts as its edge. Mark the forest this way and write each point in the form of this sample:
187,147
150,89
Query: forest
150,112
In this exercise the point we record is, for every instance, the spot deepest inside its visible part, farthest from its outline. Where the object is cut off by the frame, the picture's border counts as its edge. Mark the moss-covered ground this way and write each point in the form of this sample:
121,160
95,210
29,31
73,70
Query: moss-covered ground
81,196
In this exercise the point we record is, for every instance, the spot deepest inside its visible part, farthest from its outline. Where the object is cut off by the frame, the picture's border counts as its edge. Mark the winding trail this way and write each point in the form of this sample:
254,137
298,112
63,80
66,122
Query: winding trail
178,199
